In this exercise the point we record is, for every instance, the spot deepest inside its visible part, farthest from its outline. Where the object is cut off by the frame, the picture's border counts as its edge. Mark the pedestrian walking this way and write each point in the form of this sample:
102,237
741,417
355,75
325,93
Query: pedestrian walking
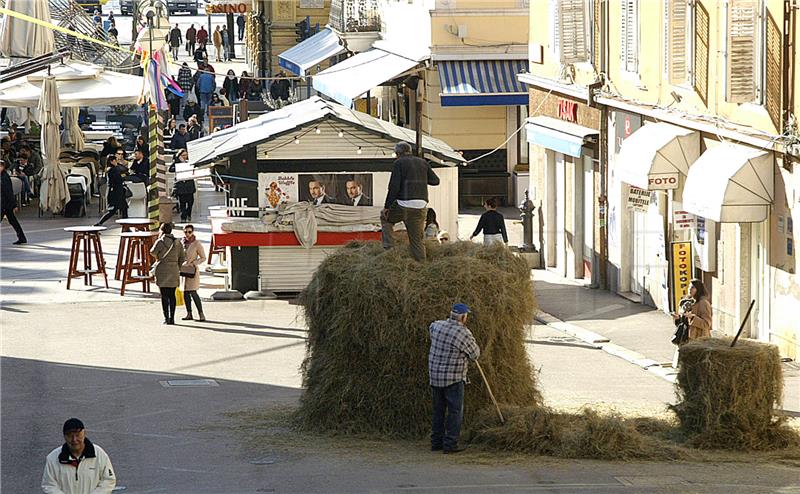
452,345
231,87
190,272
200,54
117,202
202,37
191,38
8,203
240,23
407,199
175,40
206,85
169,255
184,191
244,84
185,81
226,44
492,224
79,466
218,43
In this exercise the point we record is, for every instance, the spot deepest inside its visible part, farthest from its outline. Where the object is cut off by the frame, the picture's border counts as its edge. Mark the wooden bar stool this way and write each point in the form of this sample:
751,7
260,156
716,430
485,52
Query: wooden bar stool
137,259
87,237
214,249
128,225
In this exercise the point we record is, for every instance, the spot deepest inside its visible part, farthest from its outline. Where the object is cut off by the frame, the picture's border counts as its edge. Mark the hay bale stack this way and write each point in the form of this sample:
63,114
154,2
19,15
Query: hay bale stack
368,312
727,396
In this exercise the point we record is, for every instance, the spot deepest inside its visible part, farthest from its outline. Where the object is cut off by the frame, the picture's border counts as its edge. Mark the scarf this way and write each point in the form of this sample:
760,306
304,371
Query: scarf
187,241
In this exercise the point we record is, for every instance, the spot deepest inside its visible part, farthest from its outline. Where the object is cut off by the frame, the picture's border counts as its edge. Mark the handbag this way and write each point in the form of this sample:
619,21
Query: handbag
128,193
189,274
179,297
682,333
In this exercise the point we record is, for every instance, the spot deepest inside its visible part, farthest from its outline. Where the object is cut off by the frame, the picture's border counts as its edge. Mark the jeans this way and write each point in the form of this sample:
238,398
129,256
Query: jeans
492,239
414,220
448,411
12,220
168,302
175,51
192,295
205,101
241,33
185,203
190,47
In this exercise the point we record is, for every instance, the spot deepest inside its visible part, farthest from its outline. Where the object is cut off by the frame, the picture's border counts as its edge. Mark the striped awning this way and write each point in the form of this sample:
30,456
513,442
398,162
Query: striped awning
482,82
310,52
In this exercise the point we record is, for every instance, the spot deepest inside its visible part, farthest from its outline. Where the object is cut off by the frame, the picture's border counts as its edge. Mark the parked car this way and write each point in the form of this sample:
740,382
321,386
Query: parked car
91,5
190,6
126,7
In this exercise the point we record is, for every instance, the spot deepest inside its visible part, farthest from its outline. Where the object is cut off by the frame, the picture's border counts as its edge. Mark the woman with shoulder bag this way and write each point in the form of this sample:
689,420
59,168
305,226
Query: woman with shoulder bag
190,272
169,255
696,313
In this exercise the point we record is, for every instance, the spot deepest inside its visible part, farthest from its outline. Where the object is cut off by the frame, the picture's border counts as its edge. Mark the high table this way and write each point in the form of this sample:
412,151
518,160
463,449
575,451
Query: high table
128,225
87,237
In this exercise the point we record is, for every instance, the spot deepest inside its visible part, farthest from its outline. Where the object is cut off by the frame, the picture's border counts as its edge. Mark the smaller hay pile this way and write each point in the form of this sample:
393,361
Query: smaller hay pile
368,311
541,431
727,396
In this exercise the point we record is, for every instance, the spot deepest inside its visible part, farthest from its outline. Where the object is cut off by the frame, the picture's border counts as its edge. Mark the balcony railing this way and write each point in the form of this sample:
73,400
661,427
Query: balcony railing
355,16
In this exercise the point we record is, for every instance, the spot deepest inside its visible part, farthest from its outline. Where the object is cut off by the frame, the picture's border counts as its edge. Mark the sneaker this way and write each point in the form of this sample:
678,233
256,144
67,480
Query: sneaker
187,318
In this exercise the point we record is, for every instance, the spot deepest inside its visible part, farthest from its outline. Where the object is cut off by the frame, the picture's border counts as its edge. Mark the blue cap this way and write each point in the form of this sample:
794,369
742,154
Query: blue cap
460,309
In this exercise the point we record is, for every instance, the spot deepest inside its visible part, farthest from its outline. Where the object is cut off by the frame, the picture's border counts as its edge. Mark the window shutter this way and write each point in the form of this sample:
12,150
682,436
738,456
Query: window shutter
701,43
678,41
555,32
572,16
629,36
742,59
597,32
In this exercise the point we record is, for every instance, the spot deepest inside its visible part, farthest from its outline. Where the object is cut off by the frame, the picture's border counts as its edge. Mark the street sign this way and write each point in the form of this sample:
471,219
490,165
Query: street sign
638,199
662,181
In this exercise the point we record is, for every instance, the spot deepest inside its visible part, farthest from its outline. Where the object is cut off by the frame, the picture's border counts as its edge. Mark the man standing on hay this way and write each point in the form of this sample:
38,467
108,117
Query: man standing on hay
452,344
407,199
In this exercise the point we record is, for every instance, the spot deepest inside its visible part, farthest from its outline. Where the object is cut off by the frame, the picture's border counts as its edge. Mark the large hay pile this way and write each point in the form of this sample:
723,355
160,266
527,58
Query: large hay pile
727,396
368,312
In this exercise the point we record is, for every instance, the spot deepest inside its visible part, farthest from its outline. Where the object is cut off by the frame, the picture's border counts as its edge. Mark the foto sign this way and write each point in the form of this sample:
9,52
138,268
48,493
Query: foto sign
681,269
662,181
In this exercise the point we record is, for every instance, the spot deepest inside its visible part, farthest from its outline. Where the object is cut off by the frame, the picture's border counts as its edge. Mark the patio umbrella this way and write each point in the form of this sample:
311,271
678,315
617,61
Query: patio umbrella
54,186
20,40
72,134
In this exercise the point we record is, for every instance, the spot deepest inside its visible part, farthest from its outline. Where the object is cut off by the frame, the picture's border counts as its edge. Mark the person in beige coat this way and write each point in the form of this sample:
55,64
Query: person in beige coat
699,314
195,256
169,255
217,39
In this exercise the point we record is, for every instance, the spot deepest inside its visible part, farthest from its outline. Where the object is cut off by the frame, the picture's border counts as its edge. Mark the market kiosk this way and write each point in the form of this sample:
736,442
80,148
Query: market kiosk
304,180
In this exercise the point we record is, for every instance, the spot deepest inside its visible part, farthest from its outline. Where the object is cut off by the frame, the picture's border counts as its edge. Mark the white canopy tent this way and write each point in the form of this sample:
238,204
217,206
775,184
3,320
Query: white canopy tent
53,194
79,84
72,134
731,183
656,149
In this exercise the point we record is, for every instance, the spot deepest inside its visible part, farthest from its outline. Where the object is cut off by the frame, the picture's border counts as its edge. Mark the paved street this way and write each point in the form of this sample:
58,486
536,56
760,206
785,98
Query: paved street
112,375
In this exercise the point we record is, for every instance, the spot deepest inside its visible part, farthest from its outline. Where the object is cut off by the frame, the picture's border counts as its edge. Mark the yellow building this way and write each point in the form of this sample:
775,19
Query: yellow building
696,143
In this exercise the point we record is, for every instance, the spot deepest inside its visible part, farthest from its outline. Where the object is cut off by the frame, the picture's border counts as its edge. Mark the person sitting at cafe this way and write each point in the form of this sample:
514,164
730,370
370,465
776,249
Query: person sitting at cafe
140,167
110,146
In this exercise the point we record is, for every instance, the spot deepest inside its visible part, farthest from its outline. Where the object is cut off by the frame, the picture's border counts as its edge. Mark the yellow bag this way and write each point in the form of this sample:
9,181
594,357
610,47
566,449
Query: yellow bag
179,296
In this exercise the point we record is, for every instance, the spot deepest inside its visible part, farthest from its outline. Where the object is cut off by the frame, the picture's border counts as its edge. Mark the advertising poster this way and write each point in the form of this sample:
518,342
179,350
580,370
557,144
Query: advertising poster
351,189
638,199
276,189
680,270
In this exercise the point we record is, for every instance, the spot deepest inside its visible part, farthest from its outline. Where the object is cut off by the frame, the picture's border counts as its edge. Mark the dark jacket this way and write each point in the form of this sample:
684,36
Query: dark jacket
191,35
175,37
194,132
185,187
410,179
141,168
7,199
231,87
179,141
116,188
190,110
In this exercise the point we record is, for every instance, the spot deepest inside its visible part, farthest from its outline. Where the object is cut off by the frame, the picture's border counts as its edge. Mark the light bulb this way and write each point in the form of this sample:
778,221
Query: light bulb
394,155
317,130
266,155
296,140
341,134
359,150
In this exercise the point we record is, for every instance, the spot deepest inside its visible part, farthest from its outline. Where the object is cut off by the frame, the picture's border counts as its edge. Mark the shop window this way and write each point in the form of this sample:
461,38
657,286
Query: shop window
744,47
629,35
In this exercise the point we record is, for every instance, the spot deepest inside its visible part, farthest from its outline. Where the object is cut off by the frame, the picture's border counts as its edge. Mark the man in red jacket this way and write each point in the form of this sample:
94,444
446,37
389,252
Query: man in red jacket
202,37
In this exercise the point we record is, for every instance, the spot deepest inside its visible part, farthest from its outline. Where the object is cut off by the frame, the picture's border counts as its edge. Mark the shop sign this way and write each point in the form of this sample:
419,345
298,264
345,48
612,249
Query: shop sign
230,7
625,124
681,270
662,181
567,110
683,220
638,199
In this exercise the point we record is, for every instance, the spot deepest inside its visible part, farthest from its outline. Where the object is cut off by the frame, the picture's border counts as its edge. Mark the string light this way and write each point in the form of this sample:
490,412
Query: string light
296,140
341,134
394,155
317,130
359,150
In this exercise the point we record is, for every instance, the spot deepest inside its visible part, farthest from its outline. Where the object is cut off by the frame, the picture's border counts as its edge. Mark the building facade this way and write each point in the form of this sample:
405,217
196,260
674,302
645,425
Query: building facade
697,150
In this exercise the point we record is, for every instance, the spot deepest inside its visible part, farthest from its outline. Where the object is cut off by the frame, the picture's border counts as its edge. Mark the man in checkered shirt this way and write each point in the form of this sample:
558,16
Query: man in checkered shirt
451,345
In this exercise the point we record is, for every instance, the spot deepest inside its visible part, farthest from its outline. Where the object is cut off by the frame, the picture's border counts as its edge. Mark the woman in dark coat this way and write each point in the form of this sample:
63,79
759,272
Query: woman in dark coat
231,87
116,191
169,254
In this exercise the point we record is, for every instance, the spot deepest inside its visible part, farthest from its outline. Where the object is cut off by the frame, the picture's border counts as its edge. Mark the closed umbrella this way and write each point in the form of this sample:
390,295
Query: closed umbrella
54,185
72,135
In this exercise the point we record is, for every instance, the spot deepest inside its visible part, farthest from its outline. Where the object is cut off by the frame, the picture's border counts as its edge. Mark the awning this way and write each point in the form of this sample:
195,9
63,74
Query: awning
731,183
558,135
653,156
347,80
482,83
305,55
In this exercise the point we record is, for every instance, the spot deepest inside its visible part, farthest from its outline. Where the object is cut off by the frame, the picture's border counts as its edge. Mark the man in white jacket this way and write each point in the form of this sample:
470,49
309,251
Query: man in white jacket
79,466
